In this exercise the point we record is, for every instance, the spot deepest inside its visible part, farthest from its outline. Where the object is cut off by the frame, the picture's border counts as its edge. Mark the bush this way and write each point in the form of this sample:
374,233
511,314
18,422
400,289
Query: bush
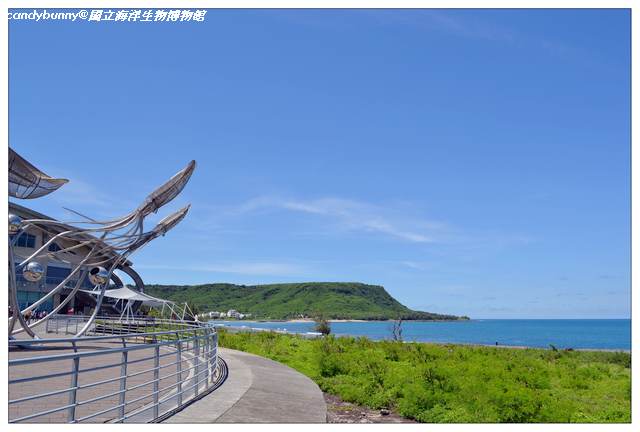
322,326
450,383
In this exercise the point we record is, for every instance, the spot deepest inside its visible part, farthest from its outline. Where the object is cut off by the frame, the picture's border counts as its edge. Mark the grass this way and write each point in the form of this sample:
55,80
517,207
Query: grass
454,383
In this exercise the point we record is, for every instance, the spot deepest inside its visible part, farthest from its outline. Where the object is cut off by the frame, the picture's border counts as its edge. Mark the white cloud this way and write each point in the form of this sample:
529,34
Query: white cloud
354,216
416,265
88,197
80,192
472,27
241,268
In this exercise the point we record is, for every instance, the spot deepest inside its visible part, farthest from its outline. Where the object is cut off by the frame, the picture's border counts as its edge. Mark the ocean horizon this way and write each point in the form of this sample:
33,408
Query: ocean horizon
602,334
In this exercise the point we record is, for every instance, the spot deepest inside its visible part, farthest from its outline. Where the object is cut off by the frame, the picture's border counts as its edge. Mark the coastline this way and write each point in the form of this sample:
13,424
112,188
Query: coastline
465,344
308,320
520,347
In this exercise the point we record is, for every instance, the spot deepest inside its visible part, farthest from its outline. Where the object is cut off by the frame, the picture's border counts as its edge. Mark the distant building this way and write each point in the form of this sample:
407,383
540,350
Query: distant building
232,313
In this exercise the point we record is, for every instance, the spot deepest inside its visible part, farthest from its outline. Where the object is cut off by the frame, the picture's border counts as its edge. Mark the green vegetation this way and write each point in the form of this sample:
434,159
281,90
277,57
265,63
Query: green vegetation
453,383
333,300
322,326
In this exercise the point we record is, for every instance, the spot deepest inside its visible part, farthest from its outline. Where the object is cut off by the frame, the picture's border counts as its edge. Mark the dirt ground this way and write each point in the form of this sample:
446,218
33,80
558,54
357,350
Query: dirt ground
339,411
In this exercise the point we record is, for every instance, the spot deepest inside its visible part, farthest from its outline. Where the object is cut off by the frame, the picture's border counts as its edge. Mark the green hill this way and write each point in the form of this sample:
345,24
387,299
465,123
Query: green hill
333,300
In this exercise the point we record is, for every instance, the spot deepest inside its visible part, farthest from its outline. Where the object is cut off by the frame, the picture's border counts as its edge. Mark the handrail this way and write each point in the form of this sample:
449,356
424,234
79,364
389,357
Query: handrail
18,342
150,387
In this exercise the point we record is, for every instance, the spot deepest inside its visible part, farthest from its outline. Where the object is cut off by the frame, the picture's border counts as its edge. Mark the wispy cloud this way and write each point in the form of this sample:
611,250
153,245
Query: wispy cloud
240,268
471,27
354,216
416,265
401,221
87,197
79,192
454,23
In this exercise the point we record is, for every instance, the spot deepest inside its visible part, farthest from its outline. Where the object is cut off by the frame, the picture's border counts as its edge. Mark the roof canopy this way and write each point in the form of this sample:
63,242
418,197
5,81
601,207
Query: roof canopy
126,293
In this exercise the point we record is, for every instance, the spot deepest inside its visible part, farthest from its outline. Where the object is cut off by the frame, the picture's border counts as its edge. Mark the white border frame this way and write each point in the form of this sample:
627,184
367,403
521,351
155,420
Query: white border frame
325,4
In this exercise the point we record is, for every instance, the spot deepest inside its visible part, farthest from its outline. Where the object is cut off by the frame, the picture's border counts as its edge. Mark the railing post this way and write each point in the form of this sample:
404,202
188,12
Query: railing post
179,371
207,358
196,353
71,413
123,382
215,352
156,377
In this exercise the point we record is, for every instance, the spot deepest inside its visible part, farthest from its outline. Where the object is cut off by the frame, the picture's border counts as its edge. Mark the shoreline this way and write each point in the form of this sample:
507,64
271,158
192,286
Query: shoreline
522,347
310,320
464,344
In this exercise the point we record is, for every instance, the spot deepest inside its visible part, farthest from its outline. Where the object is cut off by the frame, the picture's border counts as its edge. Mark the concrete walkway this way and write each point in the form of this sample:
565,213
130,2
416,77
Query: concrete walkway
96,398
257,390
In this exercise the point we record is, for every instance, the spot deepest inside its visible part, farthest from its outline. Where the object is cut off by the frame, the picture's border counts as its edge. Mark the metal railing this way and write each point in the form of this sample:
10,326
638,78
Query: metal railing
70,324
125,371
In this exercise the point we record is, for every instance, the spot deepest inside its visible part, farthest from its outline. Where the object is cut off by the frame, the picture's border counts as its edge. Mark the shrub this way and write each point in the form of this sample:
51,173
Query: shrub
322,326
449,383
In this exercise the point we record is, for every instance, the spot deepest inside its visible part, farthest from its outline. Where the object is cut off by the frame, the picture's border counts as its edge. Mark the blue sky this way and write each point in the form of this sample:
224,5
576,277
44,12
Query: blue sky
472,162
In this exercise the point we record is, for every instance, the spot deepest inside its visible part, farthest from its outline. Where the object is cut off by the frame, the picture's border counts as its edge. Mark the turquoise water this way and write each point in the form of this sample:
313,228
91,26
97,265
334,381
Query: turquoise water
614,334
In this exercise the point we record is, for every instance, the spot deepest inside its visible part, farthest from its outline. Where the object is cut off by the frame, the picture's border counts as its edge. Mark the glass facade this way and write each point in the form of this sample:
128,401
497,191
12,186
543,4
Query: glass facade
26,240
27,298
55,275
54,247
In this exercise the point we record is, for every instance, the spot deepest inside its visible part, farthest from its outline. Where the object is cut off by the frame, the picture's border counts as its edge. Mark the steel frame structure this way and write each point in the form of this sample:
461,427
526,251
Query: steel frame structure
101,246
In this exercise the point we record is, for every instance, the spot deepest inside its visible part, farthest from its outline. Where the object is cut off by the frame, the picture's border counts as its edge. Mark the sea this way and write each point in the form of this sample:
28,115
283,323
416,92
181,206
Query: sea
602,334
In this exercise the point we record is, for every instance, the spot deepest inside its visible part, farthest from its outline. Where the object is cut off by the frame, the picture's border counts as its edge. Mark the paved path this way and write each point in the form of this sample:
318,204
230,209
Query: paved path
140,367
257,390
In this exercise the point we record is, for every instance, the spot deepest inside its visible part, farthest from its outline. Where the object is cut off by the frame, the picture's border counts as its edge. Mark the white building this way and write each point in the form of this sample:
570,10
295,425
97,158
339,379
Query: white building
232,313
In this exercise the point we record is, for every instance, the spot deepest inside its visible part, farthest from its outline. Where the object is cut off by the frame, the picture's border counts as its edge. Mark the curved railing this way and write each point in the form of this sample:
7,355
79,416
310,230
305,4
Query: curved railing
140,370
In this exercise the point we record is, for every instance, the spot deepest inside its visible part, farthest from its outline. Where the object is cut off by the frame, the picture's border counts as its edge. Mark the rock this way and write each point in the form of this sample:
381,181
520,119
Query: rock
384,411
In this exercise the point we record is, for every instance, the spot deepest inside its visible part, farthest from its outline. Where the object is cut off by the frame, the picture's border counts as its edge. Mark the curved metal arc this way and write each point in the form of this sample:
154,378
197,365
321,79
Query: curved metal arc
133,239
100,297
69,236
39,251
60,286
118,224
57,308
13,297
162,195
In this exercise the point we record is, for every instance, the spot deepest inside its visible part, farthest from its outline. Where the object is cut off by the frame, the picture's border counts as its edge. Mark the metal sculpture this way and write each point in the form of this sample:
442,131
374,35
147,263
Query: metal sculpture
27,181
95,249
